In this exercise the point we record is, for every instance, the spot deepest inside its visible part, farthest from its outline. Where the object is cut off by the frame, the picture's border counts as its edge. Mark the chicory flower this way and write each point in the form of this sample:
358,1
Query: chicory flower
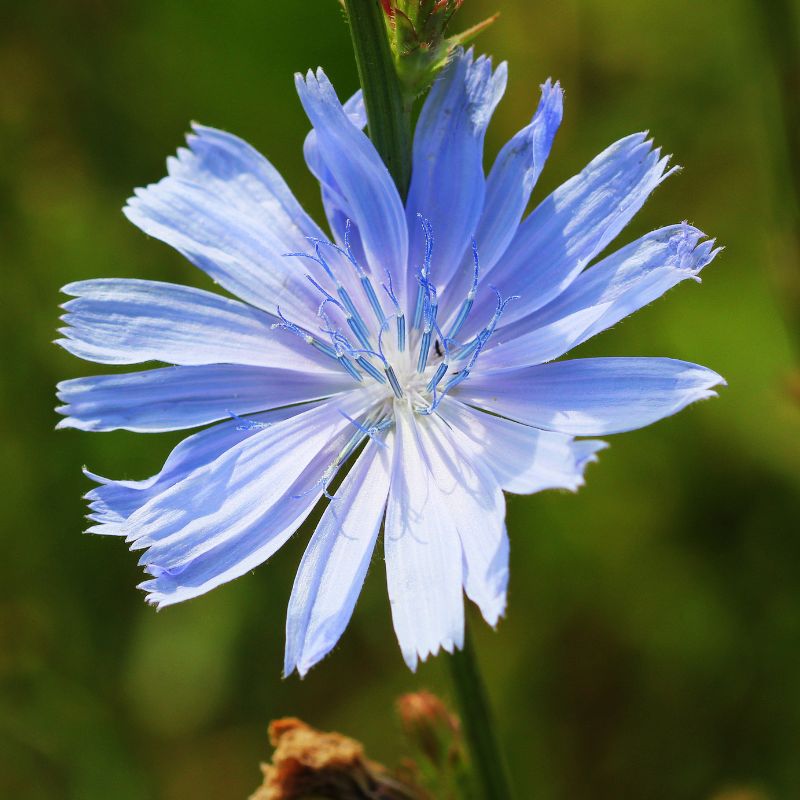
416,348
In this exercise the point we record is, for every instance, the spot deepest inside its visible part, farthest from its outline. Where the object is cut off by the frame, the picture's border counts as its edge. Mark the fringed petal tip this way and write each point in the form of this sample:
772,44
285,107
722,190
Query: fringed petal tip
690,249
414,657
104,528
493,615
303,665
586,452
552,98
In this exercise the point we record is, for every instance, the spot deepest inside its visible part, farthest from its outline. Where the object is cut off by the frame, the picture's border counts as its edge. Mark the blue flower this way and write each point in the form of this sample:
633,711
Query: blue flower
415,348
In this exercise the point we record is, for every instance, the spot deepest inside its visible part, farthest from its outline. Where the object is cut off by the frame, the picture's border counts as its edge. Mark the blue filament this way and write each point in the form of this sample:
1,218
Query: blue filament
424,350
370,369
425,271
393,382
399,316
286,325
369,291
466,306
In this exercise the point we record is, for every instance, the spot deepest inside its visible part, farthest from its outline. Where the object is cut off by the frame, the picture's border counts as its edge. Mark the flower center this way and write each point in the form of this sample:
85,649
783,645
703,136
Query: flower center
418,357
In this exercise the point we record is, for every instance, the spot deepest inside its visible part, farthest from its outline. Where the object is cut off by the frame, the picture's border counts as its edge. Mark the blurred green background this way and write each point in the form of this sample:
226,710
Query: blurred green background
652,643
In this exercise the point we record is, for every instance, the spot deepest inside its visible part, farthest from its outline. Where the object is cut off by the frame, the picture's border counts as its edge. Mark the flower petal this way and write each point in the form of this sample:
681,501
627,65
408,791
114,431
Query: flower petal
447,182
227,210
524,459
172,398
335,204
367,190
119,321
514,174
624,282
574,224
592,396
335,562
474,502
509,350
114,501
232,514
424,573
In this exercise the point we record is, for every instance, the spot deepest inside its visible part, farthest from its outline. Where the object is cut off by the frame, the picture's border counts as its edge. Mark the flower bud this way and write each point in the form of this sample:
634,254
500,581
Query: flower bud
433,730
417,35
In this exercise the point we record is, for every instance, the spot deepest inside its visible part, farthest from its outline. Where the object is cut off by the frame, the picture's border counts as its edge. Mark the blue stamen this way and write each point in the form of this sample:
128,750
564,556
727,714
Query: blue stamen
441,370
437,376
348,365
322,347
425,271
419,306
424,350
393,382
367,366
477,346
316,258
466,306
354,320
355,323
369,291
370,369
325,293
401,332
285,324
431,309
371,430
399,316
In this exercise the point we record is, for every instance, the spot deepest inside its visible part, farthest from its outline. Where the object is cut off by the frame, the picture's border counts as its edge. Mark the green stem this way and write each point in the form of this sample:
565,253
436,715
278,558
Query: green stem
387,116
486,757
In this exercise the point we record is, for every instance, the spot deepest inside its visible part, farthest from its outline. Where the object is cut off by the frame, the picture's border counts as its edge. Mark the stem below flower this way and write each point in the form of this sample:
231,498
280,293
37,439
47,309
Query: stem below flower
388,117
486,757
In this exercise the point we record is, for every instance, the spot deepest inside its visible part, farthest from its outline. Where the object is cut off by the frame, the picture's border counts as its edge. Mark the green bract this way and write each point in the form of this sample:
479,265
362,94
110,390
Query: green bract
417,36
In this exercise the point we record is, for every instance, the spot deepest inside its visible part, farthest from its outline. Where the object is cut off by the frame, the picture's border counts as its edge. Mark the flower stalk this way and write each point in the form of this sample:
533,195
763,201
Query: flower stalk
388,116
486,757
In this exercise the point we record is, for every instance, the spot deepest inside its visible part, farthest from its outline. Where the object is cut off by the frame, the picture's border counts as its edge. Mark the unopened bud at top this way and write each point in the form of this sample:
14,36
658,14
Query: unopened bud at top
417,34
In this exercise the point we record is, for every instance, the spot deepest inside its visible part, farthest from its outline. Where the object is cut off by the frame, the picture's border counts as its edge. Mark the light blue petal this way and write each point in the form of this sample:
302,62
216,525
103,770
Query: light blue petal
475,504
335,562
423,565
513,176
335,204
447,182
524,459
627,280
114,501
232,514
365,187
119,321
228,211
592,396
511,350
173,398
574,224
508,189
